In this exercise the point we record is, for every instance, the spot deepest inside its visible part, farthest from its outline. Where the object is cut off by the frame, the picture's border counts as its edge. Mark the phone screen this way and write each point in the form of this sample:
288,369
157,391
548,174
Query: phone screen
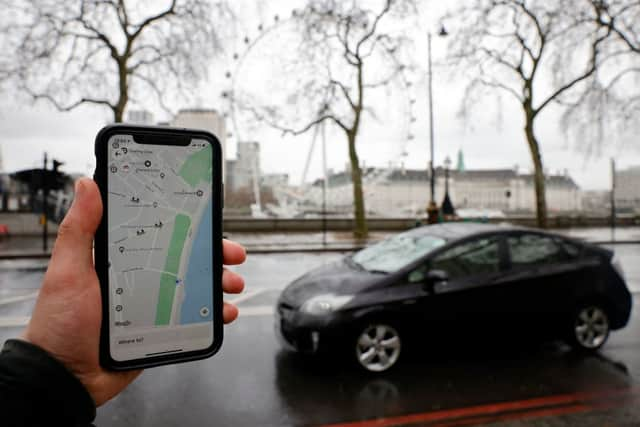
159,222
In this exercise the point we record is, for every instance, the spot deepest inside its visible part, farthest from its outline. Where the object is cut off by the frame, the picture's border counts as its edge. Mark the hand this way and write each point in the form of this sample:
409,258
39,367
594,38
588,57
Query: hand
68,313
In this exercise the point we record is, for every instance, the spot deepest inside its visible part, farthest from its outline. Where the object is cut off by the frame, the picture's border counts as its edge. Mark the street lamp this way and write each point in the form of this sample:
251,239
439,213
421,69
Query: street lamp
432,208
447,166
448,211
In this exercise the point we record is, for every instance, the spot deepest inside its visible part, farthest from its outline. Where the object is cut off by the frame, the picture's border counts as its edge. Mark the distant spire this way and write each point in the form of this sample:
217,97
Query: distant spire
460,167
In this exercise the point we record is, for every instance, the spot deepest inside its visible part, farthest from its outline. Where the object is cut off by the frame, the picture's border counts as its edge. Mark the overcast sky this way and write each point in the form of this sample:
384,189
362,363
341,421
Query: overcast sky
489,141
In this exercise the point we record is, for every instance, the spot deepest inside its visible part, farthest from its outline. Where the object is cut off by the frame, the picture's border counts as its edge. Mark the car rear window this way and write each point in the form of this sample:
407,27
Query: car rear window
533,249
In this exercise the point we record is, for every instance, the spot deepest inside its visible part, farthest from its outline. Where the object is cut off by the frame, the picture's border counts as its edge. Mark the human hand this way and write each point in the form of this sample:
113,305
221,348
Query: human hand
68,312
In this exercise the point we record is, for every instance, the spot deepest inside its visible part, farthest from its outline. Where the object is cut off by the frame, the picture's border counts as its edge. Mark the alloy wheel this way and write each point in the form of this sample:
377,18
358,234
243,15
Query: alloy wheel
591,327
378,347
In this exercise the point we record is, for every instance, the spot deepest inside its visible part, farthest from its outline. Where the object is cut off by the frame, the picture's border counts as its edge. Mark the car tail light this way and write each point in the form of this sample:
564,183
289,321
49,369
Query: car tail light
617,265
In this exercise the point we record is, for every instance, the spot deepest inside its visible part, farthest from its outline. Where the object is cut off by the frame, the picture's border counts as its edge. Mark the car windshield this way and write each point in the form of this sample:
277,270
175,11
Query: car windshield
396,252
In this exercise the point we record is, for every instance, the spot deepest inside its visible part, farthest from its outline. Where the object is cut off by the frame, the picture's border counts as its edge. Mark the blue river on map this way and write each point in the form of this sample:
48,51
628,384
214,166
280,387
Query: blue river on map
198,287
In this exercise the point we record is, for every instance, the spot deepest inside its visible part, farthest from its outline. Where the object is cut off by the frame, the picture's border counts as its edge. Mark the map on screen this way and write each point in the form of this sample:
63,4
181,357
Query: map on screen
160,252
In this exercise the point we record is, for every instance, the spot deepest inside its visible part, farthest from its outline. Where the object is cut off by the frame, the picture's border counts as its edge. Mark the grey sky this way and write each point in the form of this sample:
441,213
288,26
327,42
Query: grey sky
27,130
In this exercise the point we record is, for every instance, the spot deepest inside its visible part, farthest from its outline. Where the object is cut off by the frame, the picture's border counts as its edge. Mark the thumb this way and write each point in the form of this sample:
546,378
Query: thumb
74,246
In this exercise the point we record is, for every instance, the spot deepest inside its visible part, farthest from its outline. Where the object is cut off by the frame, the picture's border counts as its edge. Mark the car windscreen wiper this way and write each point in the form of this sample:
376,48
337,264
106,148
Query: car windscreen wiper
378,271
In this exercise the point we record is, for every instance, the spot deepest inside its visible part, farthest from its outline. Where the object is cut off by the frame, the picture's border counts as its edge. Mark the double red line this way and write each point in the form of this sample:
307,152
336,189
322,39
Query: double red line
548,406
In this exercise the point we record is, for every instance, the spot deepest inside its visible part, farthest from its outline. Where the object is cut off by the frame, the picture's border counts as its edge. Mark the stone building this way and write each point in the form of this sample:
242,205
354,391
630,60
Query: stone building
246,169
400,192
627,190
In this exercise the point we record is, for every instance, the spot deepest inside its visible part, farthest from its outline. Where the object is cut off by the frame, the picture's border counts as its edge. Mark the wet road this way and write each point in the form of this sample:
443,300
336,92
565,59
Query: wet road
253,382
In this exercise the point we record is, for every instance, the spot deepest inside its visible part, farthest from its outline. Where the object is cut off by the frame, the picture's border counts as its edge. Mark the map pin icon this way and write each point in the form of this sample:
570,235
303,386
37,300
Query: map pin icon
121,249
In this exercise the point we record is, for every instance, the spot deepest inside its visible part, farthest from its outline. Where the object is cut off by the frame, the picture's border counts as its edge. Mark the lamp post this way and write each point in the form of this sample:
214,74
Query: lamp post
432,208
448,211
447,166
45,207
613,199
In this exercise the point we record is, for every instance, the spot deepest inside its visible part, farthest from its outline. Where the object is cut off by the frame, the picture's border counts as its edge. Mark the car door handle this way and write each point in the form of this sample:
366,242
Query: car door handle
410,301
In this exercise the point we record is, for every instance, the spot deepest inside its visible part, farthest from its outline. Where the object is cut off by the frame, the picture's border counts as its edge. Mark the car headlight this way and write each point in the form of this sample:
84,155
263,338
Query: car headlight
322,304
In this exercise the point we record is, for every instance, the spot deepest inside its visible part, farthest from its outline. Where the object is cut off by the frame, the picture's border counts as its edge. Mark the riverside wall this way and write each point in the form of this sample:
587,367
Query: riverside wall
28,224
25,224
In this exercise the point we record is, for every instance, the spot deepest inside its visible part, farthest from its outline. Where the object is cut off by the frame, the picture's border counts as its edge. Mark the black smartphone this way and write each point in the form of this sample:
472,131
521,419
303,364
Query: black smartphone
158,249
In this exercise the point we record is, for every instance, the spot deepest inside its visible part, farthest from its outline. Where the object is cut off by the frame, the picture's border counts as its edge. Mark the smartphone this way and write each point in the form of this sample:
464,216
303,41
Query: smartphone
158,249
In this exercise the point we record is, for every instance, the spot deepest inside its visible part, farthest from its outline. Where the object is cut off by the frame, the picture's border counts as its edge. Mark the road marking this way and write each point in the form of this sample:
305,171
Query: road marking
9,300
529,408
632,399
260,310
247,296
13,322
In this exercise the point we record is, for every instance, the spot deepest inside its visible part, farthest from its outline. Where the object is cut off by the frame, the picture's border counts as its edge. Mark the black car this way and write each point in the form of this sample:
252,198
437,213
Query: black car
463,280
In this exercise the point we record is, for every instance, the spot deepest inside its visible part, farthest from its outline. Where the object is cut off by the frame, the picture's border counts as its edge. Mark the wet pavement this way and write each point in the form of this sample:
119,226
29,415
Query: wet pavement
253,382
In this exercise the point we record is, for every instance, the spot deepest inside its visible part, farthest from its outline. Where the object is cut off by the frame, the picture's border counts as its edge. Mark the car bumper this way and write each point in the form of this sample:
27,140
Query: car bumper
301,332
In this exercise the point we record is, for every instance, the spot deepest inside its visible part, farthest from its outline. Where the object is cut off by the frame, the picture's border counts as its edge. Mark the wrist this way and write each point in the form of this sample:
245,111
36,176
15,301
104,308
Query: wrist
47,380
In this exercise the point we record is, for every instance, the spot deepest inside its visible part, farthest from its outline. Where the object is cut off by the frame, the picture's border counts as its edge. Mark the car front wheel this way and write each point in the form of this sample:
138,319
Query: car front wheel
590,327
378,347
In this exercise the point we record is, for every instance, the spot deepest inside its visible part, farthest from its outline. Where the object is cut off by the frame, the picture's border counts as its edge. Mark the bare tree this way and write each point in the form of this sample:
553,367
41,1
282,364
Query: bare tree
106,52
355,53
538,53
622,17
613,97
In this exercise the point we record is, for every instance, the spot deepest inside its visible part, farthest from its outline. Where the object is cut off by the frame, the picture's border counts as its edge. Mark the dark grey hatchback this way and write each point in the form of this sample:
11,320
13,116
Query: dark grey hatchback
463,280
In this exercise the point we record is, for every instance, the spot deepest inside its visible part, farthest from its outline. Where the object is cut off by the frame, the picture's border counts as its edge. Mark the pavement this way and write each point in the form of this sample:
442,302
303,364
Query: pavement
253,382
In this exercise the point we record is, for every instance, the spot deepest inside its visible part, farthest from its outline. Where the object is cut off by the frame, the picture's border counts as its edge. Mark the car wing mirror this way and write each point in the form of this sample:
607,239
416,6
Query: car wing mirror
435,277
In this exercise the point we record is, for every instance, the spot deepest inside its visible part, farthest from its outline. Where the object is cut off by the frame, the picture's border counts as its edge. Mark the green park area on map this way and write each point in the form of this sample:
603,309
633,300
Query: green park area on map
172,263
197,167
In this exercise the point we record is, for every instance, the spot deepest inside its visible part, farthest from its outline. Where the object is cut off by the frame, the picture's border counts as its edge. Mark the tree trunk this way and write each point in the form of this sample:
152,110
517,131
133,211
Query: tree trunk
361,230
123,87
118,113
539,178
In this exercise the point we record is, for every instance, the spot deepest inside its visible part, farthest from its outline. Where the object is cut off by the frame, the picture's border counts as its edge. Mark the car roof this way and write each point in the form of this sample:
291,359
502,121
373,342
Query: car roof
459,230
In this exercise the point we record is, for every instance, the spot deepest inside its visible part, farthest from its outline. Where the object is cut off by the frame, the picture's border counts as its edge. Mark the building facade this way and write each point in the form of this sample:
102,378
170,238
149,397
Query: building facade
402,192
275,180
247,171
140,117
627,190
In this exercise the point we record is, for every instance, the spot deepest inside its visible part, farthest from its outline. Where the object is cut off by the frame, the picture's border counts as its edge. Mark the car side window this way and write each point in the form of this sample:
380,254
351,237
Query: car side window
418,275
533,249
570,248
472,258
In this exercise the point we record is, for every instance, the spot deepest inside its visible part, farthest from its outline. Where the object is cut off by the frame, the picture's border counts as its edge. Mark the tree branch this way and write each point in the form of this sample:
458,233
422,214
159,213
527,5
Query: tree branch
295,132
345,91
140,27
588,73
69,107
374,26
97,34
499,85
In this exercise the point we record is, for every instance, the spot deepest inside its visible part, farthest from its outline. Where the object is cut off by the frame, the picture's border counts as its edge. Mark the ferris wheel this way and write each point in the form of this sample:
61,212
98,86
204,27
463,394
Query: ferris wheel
265,65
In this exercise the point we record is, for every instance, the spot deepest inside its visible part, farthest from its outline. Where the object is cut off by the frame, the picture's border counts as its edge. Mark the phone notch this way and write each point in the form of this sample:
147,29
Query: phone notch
162,139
